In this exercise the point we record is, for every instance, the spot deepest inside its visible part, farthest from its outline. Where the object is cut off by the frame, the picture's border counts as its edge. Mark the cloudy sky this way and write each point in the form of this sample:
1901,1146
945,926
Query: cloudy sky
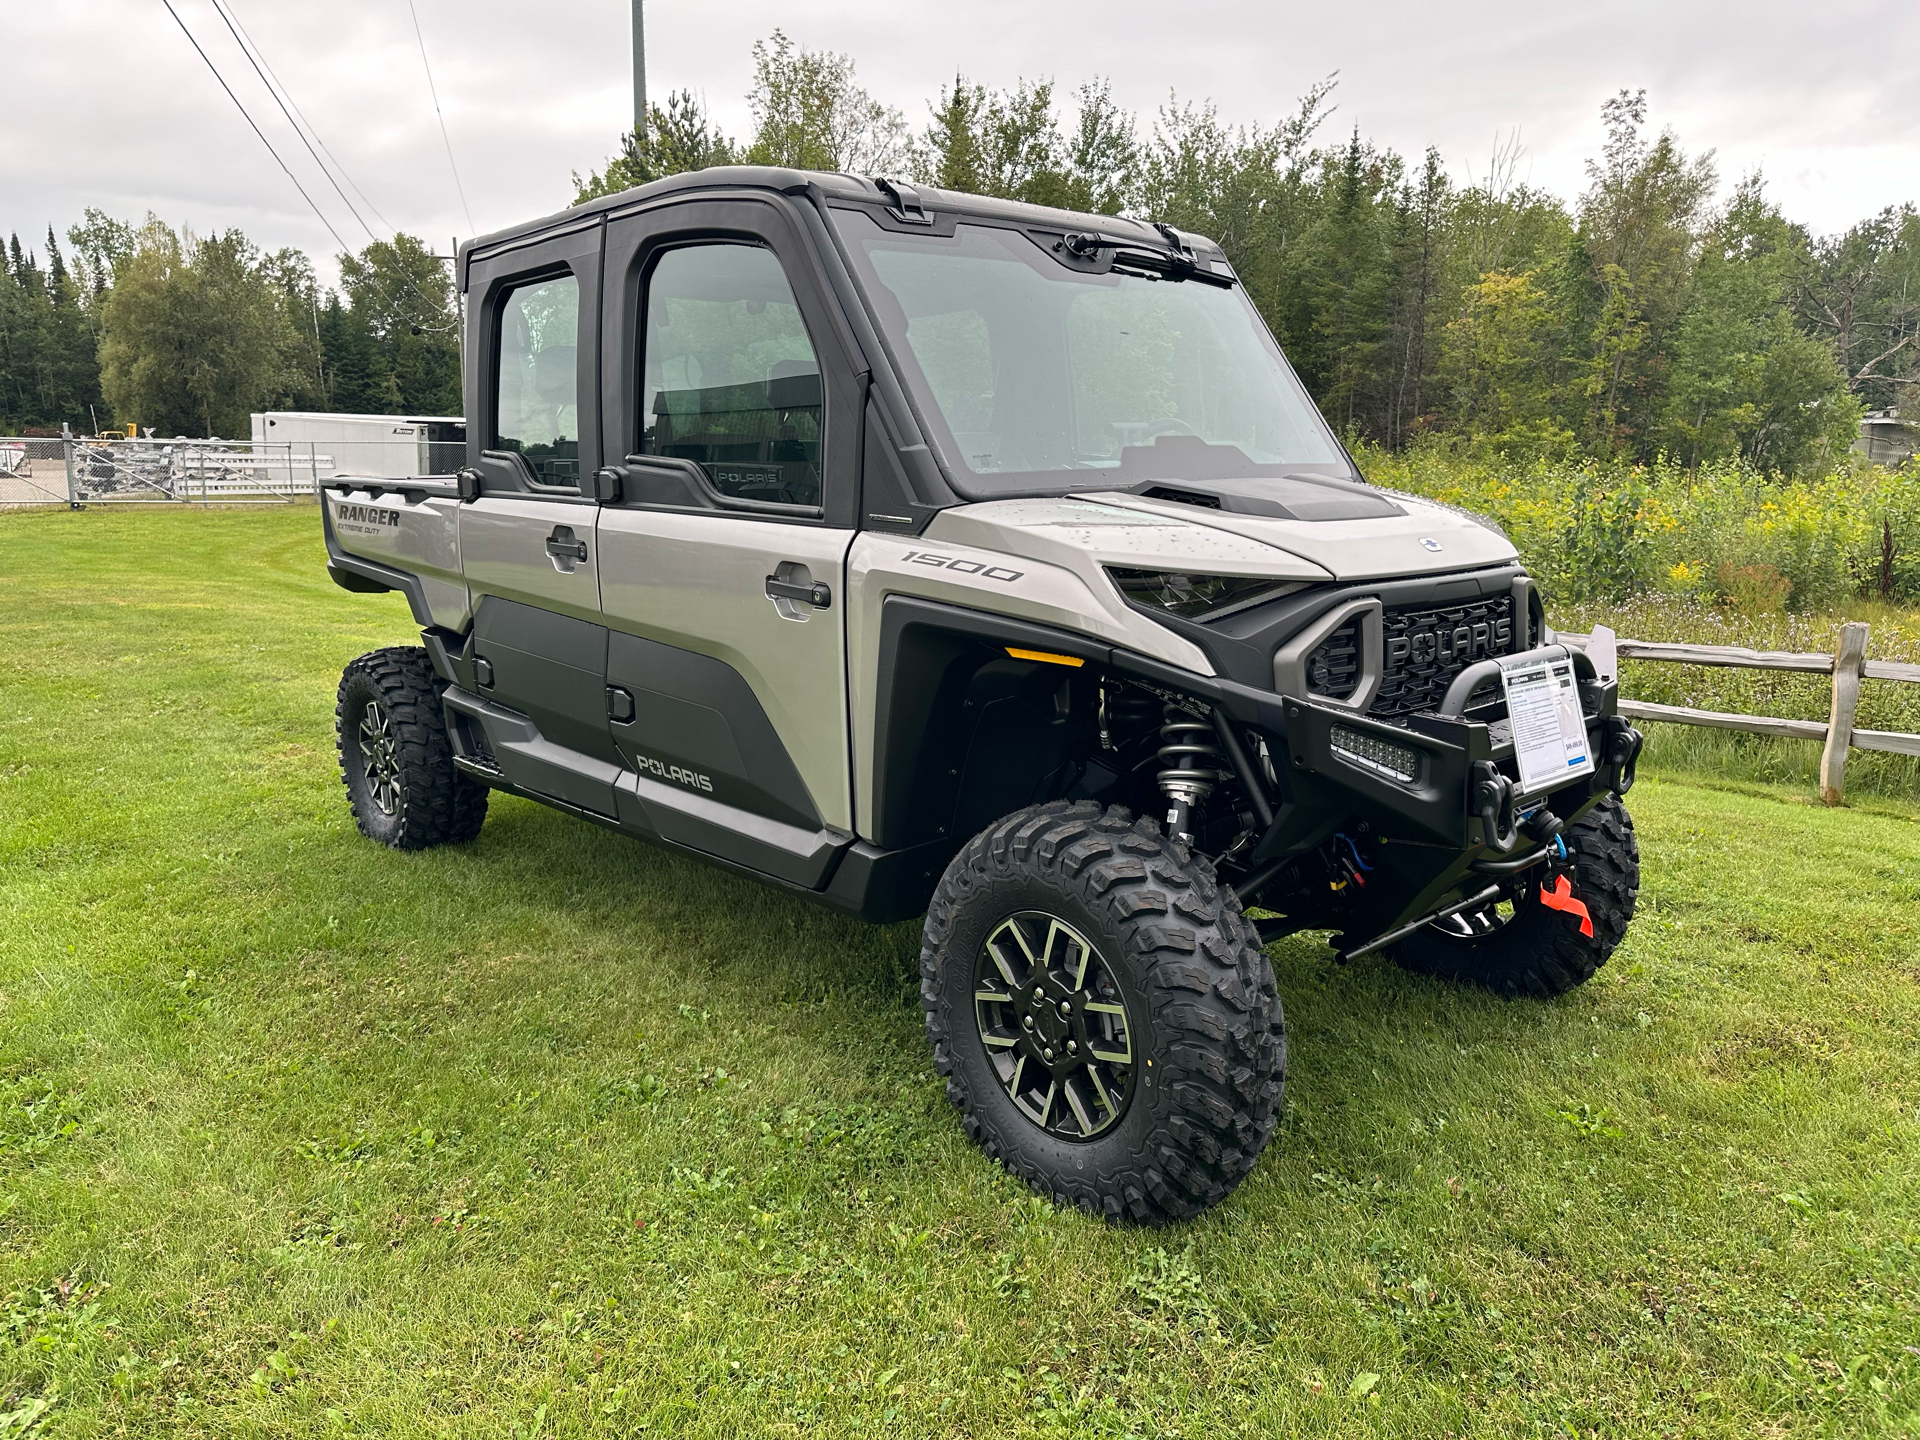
104,103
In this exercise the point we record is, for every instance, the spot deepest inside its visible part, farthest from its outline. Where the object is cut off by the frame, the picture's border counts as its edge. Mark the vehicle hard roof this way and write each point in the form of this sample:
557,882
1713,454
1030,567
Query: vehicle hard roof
831,185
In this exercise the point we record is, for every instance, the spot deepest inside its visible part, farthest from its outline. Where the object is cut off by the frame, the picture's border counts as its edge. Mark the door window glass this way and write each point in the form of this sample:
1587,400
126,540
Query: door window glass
537,399
729,378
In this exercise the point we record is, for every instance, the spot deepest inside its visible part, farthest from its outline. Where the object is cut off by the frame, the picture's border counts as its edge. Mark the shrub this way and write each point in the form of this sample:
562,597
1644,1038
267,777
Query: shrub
1725,533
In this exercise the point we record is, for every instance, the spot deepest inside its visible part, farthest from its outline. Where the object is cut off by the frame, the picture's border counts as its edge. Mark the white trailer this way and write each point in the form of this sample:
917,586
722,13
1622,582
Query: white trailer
311,446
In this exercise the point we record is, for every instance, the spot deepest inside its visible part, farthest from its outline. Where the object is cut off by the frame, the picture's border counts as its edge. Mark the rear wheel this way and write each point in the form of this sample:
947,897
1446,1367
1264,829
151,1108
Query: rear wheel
395,759
1527,947
1103,1013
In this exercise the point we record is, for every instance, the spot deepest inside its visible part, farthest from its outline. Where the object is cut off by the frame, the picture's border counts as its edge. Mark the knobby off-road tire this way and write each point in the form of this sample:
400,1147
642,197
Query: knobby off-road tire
1174,961
395,758
1541,951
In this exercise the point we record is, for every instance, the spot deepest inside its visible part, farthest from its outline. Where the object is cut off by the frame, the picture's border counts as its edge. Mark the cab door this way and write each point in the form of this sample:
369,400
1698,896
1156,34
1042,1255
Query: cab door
732,410
527,544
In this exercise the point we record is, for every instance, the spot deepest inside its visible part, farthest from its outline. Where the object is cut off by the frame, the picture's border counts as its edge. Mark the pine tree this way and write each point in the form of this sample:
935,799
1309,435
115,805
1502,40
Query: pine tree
678,138
69,348
355,381
1414,276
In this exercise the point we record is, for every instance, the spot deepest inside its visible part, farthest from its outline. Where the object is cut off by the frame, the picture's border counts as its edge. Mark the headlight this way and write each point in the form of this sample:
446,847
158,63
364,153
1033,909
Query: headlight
1192,596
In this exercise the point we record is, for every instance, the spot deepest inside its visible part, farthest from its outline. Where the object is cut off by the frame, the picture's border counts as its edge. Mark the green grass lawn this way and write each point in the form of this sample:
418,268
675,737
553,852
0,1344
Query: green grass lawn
557,1134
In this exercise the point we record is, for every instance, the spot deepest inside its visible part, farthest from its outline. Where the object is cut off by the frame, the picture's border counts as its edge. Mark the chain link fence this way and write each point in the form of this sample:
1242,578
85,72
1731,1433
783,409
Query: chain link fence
116,470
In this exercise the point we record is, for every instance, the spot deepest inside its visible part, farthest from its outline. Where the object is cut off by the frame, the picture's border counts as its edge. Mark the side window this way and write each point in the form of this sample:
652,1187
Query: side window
537,386
728,376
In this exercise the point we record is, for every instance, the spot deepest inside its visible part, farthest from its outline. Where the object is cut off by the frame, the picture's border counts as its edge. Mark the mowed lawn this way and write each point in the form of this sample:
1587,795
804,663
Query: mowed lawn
556,1134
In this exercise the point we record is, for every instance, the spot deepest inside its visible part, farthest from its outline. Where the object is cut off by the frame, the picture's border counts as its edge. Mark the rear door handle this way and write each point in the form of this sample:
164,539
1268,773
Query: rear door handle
816,594
562,544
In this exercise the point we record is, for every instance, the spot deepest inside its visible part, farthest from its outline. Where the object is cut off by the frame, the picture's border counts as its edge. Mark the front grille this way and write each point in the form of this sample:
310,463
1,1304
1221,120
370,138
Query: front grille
1425,649
1333,669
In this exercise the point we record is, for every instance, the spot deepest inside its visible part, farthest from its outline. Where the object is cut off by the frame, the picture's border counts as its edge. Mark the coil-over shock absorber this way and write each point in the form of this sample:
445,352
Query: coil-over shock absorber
1192,762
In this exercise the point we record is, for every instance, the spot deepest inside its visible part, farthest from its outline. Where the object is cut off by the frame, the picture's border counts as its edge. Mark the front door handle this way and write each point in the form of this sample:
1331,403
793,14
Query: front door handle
816,594
564,545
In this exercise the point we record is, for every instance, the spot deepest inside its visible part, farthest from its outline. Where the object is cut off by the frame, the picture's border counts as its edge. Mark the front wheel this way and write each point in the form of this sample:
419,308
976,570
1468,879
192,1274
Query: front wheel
1544,948
1103,1012
395,758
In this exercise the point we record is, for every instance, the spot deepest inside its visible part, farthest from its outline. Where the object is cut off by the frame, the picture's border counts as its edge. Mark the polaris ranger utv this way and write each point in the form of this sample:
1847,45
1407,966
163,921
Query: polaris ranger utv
925,553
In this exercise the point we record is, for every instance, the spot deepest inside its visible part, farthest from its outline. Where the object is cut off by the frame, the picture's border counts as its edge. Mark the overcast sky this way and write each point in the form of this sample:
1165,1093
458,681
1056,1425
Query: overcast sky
104,103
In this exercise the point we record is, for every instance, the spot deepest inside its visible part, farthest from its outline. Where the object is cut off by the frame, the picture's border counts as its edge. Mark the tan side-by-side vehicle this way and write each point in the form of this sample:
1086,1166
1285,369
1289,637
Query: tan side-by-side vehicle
924,553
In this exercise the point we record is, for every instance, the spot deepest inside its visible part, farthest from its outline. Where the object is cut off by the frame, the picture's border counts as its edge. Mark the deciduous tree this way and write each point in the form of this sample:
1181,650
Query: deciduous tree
810,113
195,334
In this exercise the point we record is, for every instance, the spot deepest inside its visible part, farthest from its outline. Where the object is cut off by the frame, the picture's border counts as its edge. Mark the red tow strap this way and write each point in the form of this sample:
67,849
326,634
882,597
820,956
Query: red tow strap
1558,895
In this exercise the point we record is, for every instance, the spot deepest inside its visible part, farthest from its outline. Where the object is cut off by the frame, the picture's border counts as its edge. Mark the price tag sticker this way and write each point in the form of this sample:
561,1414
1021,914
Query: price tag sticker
1549,732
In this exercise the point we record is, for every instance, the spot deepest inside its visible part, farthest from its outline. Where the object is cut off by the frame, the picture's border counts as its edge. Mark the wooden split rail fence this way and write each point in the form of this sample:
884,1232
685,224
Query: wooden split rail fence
1848,665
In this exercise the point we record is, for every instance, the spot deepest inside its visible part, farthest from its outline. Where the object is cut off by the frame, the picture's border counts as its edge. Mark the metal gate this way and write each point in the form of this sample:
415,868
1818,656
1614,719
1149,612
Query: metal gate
33,471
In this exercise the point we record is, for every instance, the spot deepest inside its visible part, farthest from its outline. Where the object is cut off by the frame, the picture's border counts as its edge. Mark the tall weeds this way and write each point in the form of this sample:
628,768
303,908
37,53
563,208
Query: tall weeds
1724,535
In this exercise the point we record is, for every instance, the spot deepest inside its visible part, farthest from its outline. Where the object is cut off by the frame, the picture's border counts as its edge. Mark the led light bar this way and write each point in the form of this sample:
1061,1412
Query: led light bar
1370,752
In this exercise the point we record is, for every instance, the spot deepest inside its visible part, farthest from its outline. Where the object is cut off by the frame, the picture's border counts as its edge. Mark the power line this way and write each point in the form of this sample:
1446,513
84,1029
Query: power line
234,17
221,11
338,240
393,309
255,128
458,187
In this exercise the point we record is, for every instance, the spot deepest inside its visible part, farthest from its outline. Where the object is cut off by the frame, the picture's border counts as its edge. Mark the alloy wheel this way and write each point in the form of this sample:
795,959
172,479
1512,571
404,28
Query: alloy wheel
380,756
1054,1024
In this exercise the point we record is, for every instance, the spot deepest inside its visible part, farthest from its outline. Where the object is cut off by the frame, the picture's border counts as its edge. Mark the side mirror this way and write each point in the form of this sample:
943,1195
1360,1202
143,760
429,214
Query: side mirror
606,485
469,483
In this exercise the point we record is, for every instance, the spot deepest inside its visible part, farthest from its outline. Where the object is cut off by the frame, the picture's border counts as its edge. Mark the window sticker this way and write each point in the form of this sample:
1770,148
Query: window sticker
1549,732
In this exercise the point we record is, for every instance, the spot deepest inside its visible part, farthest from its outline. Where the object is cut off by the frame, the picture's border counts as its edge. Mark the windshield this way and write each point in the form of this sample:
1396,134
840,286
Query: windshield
1032,369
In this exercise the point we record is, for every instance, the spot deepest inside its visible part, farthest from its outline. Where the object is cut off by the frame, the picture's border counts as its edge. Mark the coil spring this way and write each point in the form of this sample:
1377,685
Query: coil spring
1186,745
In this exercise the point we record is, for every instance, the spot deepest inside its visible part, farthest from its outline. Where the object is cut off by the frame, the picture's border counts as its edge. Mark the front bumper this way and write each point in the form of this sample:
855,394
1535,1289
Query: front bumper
1412,786
1412,780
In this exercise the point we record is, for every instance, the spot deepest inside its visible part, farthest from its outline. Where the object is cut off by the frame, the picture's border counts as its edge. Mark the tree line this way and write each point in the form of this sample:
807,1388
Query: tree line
1646,317
187,335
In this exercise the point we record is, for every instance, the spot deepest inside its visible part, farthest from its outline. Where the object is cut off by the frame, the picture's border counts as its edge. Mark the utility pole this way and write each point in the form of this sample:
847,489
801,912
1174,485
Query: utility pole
639,72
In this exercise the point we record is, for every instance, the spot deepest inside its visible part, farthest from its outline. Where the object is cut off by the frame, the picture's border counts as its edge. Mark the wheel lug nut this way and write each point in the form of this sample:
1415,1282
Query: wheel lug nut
1027,1020
1066,1007
1047,1054
1073,1047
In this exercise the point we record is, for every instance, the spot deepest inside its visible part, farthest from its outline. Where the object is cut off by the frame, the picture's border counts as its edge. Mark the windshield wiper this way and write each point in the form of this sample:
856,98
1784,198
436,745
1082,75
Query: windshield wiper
1175,264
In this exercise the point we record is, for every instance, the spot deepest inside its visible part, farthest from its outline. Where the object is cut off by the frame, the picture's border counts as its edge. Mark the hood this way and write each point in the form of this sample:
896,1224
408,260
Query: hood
1349,530
1082,535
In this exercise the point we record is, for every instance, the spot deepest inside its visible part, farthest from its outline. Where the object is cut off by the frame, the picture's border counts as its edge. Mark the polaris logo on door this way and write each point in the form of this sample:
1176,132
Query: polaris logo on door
692,779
